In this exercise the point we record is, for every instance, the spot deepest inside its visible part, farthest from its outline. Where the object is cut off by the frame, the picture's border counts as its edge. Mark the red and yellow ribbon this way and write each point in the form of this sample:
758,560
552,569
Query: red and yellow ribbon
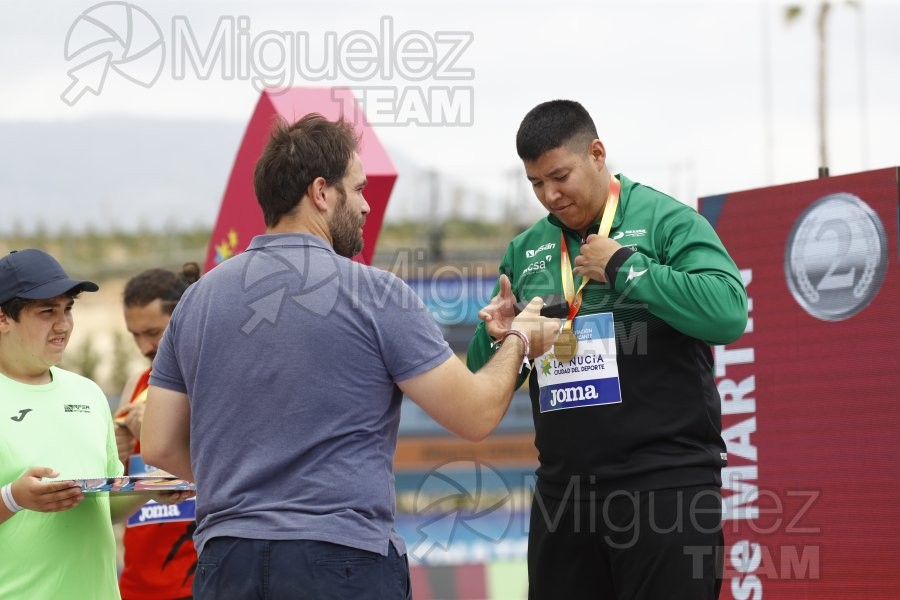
573,297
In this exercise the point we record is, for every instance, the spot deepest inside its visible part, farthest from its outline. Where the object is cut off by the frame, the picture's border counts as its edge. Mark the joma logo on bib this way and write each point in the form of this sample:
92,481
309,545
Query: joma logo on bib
576,393
591,378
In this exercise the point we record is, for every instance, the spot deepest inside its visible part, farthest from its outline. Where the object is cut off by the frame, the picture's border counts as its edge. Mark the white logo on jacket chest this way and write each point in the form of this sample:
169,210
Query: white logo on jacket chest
538,265
536,251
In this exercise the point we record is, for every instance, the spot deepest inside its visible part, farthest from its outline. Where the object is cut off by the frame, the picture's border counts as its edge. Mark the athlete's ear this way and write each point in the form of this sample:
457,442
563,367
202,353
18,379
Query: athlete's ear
598,154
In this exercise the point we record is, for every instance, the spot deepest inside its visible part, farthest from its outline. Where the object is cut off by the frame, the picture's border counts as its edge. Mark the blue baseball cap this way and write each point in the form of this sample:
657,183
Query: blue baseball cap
35,275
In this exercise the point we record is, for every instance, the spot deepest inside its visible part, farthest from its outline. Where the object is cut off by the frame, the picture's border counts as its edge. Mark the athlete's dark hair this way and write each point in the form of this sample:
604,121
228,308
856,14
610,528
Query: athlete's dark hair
554,124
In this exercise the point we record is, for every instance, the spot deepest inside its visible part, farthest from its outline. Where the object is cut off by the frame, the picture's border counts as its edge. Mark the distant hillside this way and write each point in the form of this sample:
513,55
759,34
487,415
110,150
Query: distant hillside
114,173
131,174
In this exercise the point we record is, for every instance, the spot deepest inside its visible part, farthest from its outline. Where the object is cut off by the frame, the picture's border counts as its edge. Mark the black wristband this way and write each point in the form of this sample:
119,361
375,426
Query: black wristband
615,263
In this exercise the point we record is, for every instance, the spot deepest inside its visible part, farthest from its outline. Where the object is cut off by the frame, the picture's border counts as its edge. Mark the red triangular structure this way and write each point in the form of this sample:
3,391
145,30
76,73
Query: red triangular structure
240,217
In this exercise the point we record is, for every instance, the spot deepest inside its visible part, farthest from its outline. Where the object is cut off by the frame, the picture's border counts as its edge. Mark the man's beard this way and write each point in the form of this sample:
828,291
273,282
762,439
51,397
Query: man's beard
345,236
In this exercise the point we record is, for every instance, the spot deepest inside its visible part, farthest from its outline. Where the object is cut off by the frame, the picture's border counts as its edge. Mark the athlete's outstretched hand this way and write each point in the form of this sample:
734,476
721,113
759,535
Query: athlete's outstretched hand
499,314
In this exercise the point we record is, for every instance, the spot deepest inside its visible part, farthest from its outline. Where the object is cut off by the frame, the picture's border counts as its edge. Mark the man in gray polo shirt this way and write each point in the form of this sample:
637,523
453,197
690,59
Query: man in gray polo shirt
278,382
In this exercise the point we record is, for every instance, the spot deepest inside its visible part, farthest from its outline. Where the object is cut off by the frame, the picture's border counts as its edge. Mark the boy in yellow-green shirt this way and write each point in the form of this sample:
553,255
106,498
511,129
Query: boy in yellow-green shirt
55,426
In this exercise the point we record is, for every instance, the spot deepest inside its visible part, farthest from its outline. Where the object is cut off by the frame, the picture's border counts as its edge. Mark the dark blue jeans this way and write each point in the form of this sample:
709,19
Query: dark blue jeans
244,569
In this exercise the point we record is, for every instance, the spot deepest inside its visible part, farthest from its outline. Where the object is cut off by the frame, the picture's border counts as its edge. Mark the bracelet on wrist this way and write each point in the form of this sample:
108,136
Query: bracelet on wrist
527,350
522,336
8,500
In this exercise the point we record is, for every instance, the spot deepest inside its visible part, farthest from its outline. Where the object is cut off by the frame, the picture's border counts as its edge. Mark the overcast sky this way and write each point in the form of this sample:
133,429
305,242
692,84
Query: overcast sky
693,98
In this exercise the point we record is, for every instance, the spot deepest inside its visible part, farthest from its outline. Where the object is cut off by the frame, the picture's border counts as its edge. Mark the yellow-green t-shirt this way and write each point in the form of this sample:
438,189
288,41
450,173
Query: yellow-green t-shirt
65,425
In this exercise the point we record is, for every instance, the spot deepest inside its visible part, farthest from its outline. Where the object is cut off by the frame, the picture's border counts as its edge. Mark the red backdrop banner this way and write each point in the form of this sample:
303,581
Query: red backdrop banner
809,393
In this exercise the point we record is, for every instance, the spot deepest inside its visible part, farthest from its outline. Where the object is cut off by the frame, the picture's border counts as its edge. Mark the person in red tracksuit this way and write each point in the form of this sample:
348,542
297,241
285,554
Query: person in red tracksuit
160,559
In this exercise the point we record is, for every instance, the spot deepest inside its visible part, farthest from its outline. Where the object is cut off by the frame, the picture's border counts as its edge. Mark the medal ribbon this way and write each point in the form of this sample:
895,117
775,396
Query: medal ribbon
573,297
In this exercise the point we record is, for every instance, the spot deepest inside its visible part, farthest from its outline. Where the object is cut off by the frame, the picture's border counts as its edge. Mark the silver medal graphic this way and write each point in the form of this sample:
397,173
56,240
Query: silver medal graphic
835,257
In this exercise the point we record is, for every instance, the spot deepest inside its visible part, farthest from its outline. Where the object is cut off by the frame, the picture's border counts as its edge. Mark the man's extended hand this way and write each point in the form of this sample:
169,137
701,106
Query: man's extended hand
499,314
541,331
169,497
172,497
595,254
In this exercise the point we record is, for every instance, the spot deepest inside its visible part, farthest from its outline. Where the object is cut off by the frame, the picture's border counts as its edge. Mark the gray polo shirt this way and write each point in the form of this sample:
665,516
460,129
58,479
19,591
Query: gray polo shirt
290,356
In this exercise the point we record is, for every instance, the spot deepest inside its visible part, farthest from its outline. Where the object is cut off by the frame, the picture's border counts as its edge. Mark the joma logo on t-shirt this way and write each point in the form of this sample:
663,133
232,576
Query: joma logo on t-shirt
79,408
158,511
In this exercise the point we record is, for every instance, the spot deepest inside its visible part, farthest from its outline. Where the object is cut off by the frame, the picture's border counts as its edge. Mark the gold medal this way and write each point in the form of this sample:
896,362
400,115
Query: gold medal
566,345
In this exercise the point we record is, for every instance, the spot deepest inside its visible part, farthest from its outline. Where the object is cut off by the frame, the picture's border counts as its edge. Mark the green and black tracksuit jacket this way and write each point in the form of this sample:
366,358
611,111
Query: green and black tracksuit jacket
674,291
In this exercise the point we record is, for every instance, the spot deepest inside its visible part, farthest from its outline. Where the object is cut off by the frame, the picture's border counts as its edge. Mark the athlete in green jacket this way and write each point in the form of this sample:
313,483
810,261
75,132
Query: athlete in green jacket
627,501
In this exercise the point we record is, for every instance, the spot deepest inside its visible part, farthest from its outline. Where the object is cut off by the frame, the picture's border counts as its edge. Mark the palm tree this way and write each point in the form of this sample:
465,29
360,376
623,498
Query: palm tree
792,13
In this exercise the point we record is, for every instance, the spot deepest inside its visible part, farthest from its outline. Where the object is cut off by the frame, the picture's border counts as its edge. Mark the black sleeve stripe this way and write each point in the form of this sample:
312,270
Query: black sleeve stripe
615,263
